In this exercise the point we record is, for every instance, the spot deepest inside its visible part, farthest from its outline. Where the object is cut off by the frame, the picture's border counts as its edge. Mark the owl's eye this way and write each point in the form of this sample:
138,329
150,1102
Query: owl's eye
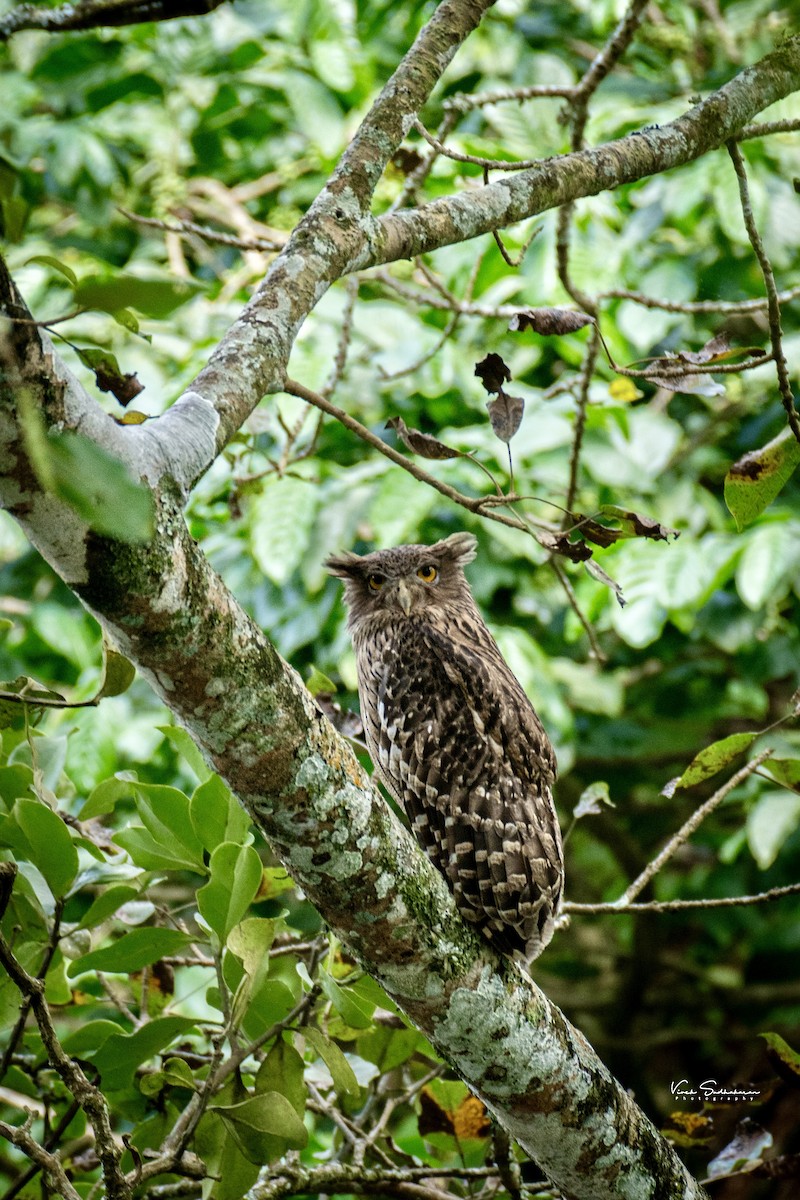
427,573
375,582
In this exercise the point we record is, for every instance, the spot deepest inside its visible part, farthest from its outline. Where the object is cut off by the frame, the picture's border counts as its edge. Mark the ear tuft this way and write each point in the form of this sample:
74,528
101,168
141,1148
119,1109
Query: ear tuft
460,547
344,566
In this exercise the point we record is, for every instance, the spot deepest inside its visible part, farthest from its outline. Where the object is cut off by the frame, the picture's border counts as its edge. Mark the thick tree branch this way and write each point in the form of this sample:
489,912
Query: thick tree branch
557,181
91,14
171,615
251,359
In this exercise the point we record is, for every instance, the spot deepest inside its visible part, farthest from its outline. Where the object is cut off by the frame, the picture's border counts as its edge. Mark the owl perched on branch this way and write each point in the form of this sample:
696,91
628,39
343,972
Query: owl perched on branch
455,739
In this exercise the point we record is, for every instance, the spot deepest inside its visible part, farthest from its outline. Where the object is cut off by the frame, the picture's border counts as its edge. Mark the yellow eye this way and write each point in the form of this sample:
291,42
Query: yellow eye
427,573
375,582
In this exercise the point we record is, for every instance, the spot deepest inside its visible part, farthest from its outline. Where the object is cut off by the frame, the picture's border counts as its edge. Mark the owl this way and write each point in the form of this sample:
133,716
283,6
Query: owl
455,739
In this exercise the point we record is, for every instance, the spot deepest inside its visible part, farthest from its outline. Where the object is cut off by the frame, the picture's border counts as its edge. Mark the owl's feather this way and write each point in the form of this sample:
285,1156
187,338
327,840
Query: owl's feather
455,739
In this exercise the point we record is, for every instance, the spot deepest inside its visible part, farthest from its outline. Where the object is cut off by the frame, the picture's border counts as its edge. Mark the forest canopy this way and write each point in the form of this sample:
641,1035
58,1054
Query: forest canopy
545,290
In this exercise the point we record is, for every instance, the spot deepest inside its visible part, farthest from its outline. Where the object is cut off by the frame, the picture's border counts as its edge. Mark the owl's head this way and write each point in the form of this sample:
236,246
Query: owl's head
405,580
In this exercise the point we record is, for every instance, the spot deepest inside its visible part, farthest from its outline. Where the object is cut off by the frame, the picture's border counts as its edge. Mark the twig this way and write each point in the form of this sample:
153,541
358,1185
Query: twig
585,379
448,329
765,128
688,828
27,1001
496,164
473,504
88,1096
417,177
572,600
209,235
49,1164
774,308
462,102
697,306
345,335
791,889
50,1147
613,50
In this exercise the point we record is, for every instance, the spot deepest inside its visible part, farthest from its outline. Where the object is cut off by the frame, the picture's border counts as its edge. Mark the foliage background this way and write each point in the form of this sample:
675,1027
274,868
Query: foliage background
182,118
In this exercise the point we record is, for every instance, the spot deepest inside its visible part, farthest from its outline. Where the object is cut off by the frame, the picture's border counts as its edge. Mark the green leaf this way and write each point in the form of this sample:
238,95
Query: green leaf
16,781
318,682
711,760
106,904
122,1053
344,1079
354,1010
47,260
281,519
165,813
283,1071
785,1060
769,564
251,941
118,672
233,1174
104,797
770,822
146,852
268,1113
784,770
97,486
389,1048
755,480
235,878
152,297
187,748
90,1037
178,1072
134,950
216,815
52,848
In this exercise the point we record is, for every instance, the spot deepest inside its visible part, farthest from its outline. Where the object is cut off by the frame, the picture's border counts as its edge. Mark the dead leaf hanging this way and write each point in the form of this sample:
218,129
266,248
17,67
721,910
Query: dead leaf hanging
505,414
493,372
423,444
549,321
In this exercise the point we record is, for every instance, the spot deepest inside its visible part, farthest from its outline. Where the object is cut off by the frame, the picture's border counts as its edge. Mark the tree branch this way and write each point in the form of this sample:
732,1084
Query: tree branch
91,14
557,181
261,731
774,308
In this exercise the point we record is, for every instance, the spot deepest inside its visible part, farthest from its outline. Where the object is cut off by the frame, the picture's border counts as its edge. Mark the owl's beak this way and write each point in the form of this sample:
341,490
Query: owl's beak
404,596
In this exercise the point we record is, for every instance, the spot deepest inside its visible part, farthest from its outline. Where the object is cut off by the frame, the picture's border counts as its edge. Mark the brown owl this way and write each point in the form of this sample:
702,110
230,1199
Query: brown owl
455,739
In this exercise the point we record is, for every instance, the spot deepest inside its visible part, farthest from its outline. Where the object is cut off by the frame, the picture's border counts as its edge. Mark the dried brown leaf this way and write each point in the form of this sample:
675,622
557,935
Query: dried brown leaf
549,321
423,444
559,543
505,414
493,372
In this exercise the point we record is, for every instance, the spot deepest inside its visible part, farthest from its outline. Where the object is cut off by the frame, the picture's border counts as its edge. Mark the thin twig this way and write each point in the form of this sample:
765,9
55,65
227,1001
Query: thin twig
185,227
689,307
473,504
774,308
585,379
765,128
495,164
88,1096
49,1164
572,600
345,335
688,828
25,1007
462,102
791,889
